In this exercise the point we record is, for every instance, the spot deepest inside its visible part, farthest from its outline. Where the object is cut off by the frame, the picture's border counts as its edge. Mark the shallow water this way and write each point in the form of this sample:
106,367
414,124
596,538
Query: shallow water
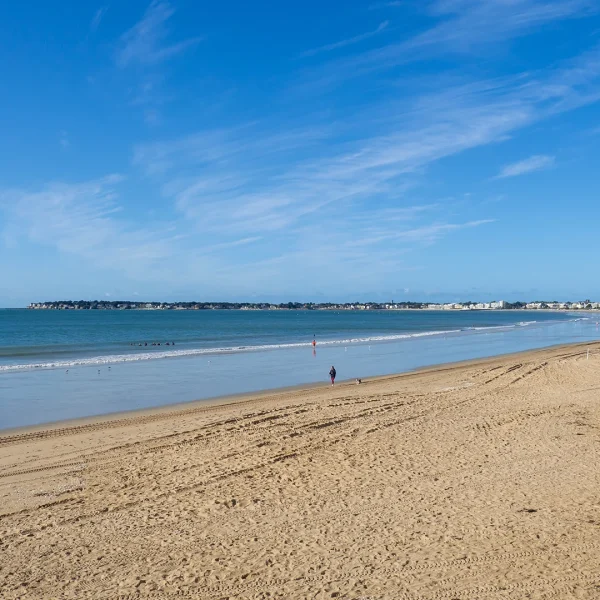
45,339
37,395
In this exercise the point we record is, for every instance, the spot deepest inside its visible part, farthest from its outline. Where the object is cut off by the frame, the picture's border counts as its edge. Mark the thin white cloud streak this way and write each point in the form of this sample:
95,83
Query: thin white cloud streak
341,261
145,43
86,220
529,165
431,233
472,22
463,27
395,215
426,234
218,247
392,4
347,42
98,16
223,146
83,219
512,15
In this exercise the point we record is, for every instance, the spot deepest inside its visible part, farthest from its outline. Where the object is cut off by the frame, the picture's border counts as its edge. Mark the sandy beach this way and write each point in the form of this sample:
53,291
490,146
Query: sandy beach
478,481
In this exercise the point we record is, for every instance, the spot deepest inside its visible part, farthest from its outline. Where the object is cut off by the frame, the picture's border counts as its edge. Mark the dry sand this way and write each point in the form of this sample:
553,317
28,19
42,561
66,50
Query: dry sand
477,481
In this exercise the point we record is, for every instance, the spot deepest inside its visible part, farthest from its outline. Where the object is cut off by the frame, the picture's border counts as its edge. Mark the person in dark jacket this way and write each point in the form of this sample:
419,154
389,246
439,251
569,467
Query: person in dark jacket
332,374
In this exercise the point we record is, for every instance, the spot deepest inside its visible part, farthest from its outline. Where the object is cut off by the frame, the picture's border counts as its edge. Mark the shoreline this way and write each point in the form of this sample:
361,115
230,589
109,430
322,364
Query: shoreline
473,479
106,353
359,310
216,402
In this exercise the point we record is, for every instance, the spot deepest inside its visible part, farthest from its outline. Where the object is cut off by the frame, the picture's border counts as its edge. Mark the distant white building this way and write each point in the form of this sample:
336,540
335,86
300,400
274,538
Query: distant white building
534,305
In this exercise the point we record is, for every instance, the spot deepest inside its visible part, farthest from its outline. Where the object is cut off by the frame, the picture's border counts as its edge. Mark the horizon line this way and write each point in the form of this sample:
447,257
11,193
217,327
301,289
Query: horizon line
297,303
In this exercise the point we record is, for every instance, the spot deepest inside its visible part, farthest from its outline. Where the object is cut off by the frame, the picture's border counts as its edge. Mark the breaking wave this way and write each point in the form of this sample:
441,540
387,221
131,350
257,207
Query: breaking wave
142,356
147,356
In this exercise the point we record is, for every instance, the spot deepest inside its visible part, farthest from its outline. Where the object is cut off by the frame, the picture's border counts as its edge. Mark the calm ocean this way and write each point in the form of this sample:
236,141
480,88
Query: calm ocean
63,364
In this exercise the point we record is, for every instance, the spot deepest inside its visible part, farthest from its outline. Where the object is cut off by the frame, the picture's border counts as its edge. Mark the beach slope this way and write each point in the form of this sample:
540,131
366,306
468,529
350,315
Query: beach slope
476,481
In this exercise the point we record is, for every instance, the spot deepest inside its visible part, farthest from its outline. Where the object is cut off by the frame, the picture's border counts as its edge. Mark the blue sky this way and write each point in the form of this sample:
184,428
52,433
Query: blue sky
441,150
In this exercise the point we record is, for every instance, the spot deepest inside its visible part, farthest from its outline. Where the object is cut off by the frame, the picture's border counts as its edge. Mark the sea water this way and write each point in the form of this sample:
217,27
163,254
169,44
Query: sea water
58,365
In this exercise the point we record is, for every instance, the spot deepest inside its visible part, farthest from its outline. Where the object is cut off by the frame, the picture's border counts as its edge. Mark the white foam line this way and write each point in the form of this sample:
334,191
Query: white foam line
491,327
124,358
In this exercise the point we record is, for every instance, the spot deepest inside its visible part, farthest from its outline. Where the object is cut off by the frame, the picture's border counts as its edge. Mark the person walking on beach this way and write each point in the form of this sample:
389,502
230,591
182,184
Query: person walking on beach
332,374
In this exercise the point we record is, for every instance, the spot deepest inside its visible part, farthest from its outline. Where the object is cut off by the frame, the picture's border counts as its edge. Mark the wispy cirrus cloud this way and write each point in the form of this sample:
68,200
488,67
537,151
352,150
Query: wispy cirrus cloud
243,180
345,196
84,219
326,170
342,260
233,192
425,234
146,46
97,19
460,27
469,23
145,43
391,4
347,42
226,146
529,165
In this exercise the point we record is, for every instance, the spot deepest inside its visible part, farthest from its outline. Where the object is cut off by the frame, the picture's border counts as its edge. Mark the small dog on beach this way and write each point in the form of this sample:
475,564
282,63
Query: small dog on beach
358,381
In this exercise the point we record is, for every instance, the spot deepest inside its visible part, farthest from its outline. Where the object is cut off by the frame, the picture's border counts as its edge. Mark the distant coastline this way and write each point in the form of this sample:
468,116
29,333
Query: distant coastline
130,305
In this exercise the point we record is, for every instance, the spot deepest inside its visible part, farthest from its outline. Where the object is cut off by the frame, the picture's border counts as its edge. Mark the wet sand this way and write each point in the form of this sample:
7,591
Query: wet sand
479,481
